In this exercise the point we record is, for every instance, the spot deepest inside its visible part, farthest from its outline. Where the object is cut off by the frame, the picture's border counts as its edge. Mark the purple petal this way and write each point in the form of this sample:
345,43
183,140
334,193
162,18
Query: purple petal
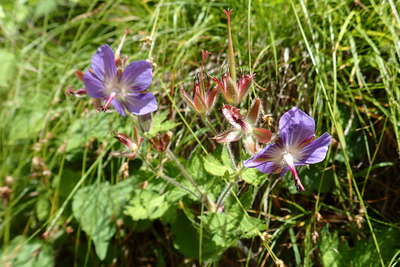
255,160
270,153
138,75
103,63
268,167
295,126
119,107
141,103
94,86
316,151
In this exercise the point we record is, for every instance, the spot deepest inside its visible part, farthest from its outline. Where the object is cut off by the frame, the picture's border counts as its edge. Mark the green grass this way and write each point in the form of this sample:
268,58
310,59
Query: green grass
71,203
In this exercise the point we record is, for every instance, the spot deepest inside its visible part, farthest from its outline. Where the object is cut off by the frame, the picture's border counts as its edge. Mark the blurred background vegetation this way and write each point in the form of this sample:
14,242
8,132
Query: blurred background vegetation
66,202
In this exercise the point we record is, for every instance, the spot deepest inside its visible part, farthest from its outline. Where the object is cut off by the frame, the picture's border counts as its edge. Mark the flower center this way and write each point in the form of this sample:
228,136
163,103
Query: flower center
116,86
288,159
294,152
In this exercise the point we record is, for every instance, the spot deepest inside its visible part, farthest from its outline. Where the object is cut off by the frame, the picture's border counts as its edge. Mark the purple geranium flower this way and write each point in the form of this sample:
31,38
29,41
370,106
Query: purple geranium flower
295,146
122,88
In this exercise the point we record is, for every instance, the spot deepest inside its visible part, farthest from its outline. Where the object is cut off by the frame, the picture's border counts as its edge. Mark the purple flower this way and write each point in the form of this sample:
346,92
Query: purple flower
122,88
295,146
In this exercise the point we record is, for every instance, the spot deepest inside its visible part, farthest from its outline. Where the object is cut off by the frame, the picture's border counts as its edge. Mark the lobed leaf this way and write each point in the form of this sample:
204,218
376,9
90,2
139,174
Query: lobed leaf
96,207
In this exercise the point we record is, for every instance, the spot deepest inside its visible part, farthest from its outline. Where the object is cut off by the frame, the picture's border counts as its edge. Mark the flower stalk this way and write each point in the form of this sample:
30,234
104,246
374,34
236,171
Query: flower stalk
231,52
186,175
172,181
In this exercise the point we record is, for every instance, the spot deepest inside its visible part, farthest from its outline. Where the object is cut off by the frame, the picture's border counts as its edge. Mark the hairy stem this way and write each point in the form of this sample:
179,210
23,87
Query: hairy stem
231,52
171,180
227,190
187,176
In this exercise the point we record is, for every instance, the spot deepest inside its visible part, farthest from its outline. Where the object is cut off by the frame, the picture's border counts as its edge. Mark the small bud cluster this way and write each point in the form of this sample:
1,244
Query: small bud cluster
234,92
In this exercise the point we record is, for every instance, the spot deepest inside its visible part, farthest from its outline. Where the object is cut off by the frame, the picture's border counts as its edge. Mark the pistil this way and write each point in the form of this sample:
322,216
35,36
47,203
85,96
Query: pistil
289,160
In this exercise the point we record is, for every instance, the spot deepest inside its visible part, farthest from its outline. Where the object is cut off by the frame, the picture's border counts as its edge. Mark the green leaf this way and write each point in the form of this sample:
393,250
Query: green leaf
153,202
222,228
195,167
253,176
204,179
214,166
251,226
24,253
44,7
42,207
229,227
161,124
93,126
186,239
96,207
147,204
7,66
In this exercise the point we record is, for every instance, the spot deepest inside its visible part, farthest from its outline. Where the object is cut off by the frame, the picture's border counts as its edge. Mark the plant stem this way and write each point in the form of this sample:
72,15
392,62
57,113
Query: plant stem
177,184
231,52
226,191
171,180
184,172
209,125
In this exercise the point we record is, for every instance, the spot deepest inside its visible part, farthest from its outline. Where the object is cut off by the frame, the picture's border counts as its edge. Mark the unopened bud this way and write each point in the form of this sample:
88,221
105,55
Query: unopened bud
145,122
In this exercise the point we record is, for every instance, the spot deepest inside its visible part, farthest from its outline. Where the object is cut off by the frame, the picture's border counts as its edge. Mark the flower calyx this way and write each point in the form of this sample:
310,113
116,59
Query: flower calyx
244,127
132,145
232,91
161,141
203,96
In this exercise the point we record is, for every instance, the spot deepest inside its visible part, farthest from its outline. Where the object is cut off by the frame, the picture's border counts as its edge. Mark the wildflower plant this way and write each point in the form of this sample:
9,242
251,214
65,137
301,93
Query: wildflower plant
124,86
204,176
